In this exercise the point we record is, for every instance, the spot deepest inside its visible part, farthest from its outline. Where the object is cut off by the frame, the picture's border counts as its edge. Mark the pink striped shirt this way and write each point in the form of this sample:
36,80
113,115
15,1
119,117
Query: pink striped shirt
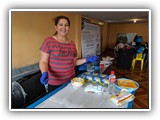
61,60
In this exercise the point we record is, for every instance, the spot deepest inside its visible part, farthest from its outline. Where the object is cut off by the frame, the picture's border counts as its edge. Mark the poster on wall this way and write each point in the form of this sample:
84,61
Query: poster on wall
126,37
91,44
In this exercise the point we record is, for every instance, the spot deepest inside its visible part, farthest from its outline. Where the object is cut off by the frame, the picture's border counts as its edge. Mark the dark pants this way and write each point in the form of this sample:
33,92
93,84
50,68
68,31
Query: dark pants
52,87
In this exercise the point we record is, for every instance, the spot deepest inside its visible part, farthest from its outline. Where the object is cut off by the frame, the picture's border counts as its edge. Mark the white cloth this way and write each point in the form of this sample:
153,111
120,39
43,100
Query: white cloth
69,97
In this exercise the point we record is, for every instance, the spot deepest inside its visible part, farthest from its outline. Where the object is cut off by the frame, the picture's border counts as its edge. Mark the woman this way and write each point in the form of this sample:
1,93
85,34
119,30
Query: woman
59,56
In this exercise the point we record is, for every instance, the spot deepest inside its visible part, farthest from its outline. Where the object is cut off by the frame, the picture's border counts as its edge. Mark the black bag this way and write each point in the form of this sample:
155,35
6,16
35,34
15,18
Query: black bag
33,89
124,58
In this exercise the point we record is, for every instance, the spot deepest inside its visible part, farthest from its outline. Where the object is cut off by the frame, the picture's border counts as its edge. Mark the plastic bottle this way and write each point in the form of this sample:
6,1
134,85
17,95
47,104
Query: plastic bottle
96,66
112,80
90,67
112,77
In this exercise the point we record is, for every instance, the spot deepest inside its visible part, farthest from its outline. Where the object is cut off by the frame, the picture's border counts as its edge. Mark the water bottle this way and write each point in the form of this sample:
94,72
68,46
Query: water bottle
90,67
104,82
112,77
112,80
96,66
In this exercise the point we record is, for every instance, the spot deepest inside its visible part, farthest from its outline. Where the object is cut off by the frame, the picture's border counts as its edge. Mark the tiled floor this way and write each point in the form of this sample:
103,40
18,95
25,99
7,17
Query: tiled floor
142,77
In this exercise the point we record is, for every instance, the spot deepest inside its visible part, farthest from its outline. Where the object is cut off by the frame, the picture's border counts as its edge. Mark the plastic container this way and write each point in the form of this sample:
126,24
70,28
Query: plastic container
131,90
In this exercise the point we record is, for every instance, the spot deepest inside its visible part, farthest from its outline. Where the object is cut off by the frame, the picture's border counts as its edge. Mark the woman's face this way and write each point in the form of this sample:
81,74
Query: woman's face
62,27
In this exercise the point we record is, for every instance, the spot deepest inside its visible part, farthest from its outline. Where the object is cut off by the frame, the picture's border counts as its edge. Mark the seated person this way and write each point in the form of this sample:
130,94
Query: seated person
138,48
133,44
139,39
118,46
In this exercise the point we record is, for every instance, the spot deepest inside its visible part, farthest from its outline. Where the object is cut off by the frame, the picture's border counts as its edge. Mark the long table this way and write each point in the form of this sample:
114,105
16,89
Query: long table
69,97
66,96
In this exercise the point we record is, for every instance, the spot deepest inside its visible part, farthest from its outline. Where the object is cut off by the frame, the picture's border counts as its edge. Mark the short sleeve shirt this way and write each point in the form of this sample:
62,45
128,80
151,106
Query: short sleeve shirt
61,60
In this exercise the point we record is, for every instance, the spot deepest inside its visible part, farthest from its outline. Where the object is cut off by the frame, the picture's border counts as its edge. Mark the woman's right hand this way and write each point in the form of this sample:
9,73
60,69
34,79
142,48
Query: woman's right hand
44,78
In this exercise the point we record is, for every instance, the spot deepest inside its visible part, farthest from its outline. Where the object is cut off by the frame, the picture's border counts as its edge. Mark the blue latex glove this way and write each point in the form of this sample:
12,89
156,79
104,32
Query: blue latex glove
44,78
91,59
82,67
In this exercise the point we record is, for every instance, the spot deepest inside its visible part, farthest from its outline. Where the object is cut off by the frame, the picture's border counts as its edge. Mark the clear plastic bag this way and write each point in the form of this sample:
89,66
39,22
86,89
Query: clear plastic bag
18,95
122,98
94,89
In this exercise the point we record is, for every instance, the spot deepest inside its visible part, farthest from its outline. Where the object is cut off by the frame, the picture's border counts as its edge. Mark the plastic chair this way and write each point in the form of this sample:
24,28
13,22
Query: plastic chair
139,57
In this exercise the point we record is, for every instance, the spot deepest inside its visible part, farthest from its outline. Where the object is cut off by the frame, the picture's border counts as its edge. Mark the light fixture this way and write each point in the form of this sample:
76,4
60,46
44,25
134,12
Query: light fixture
135,20
101,23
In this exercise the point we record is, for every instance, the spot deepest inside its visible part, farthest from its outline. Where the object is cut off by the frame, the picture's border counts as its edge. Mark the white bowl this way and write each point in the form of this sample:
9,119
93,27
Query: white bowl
77,82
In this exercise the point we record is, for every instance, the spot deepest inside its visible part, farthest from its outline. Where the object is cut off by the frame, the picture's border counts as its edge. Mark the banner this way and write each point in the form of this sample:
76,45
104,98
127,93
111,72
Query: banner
91,43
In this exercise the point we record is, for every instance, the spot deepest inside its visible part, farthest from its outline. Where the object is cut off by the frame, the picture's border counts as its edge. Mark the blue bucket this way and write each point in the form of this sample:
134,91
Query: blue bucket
131,90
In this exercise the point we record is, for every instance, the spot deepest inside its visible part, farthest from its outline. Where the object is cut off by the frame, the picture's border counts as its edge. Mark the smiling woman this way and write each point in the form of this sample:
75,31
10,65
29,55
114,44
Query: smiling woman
59,56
